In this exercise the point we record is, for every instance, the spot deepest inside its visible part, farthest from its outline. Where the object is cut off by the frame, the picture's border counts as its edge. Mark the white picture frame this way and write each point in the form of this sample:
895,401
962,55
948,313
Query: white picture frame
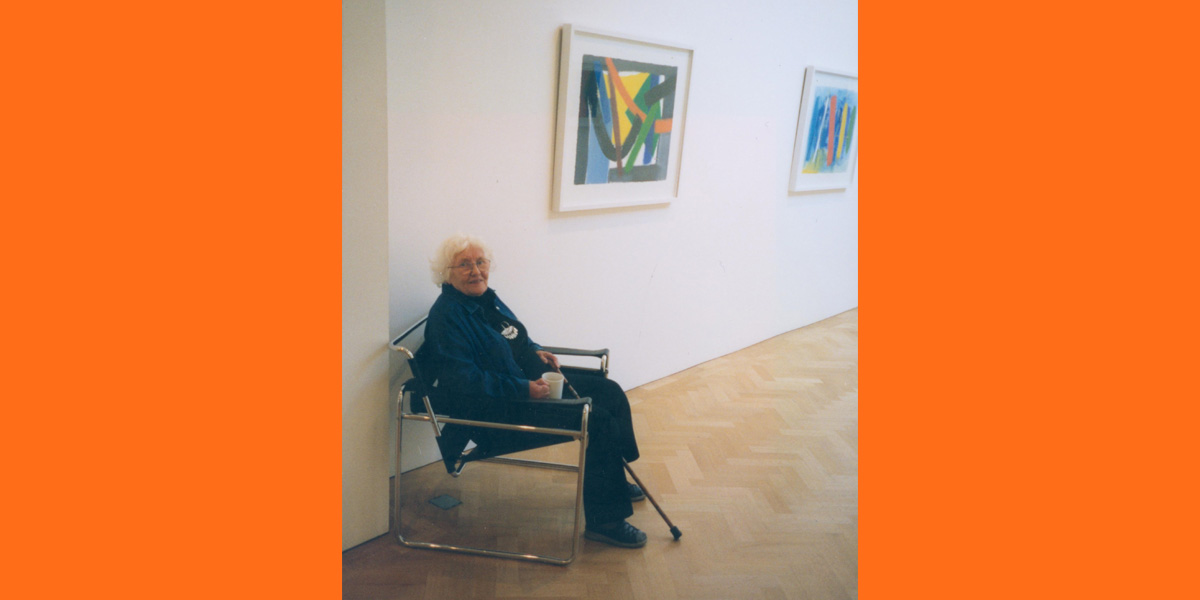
654,75
824,158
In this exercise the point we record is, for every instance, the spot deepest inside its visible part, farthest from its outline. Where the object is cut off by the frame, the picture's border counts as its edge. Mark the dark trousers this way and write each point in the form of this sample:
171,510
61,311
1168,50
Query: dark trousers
610,439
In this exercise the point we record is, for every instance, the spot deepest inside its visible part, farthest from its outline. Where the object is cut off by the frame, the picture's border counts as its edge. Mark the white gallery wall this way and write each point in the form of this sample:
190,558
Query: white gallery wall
734,260
364,273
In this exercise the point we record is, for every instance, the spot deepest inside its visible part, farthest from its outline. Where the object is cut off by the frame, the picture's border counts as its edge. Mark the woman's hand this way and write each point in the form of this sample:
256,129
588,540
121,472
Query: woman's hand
548,358
539,389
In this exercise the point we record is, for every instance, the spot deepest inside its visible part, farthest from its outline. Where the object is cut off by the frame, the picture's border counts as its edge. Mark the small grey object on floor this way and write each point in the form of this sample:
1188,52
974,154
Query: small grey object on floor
445,502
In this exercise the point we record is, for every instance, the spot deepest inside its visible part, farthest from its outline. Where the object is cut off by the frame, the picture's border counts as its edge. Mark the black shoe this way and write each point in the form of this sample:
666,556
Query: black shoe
635,493
617,534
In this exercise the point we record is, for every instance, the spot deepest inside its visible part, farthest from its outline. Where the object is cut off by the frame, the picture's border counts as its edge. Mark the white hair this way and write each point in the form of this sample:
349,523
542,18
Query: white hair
443,259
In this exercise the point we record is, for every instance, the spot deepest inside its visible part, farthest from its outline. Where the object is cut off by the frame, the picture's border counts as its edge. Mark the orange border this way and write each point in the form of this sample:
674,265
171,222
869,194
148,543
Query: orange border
1026,309
173,175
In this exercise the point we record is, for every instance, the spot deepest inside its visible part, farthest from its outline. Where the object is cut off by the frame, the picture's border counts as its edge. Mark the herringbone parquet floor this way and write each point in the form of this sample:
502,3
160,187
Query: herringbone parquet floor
754,456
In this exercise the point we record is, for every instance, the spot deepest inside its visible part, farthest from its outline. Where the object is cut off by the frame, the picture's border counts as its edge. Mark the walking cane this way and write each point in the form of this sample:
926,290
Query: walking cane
674,530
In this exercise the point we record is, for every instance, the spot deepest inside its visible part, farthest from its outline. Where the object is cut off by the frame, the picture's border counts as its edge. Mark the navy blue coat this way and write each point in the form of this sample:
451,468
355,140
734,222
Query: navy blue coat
466,356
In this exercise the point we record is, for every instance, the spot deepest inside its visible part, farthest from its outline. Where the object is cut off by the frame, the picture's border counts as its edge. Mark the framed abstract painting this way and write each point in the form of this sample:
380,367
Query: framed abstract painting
621,113
827,133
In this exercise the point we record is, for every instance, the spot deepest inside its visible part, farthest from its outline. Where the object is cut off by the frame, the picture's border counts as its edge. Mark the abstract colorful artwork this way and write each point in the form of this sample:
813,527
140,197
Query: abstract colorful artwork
826,140
831,129
621,113
625,112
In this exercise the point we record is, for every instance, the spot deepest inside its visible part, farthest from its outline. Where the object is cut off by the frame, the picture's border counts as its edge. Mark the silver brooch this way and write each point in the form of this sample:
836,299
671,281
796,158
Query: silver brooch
509,332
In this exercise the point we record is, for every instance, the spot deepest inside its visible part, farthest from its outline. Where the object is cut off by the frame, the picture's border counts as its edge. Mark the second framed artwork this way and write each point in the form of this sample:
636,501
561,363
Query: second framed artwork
827,133
622,104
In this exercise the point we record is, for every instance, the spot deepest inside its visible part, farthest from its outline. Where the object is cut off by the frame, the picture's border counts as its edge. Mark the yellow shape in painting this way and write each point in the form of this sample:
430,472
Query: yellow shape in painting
632,83
842,135
814,165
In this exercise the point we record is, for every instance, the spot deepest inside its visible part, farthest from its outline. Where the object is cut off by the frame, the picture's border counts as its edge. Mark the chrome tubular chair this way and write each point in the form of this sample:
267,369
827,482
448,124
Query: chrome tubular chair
453,434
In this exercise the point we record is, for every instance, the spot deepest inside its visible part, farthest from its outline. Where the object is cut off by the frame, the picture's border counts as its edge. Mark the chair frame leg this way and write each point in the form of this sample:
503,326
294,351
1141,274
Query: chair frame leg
580,436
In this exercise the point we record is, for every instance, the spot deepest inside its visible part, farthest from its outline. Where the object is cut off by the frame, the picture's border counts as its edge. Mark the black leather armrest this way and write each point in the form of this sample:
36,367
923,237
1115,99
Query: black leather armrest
575,351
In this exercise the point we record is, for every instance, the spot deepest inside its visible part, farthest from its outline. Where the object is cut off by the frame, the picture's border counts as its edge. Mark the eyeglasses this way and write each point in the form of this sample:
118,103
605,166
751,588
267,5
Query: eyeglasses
466,266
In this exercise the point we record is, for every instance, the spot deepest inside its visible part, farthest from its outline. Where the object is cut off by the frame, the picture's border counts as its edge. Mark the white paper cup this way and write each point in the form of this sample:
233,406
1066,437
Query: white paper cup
556,384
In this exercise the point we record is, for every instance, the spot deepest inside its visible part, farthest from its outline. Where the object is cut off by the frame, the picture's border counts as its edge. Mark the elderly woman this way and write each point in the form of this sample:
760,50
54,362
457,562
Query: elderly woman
476,349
